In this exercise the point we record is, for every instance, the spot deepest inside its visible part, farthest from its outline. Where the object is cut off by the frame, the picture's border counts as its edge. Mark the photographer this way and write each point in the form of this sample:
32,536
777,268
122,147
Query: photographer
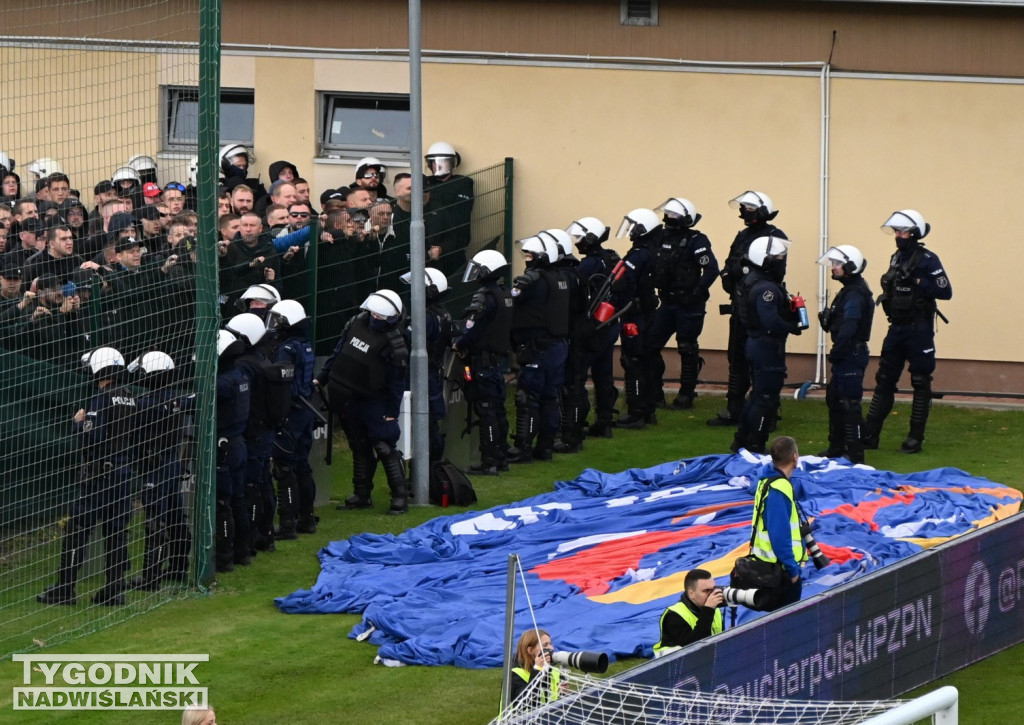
533,659
696,615
776,537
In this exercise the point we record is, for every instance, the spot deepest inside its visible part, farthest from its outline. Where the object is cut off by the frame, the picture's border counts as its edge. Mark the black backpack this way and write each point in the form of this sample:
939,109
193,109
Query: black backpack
449,485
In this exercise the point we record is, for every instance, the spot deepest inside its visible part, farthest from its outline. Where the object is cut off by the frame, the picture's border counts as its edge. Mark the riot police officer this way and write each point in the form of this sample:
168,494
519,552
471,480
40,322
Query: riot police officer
231,541
756,210
483,346
162,424
366,376
574,417
911,287
595,338
105,430
684,269
768,320
296,490
848,321
540,329
633,294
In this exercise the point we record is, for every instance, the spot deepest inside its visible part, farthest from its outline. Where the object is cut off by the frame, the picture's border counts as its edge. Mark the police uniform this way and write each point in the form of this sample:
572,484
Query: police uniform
484,343
776,538
232,515
733,273
596,345
684,270
296,490
439,333
911,286
574,404
767,320
636,289
106,438
540,328
848,321
366,376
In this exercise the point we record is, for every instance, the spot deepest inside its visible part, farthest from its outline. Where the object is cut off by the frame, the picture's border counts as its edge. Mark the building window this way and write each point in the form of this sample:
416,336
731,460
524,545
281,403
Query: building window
181,117
361,124
638,12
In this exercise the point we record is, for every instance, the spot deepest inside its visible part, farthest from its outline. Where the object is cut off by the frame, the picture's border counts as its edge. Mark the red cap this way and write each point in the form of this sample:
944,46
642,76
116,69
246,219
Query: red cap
151,190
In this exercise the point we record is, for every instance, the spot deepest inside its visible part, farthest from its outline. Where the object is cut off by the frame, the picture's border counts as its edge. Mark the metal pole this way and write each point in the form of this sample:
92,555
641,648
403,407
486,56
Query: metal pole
207,313
510,633
417,260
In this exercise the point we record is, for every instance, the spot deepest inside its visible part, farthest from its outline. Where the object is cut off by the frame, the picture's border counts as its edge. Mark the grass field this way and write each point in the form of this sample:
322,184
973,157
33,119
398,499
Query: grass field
267,667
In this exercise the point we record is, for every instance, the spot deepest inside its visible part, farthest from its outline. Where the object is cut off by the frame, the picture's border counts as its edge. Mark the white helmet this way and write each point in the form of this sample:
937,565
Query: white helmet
442,158
906,220
6,161
369,161
141,162
763,247
193,171
231,150
759,201
483,264
103,362
435,281
265,293
679,208
587,232
225,340
847,255
285,314
640,221
126,173
543,248
562,240
152,362
41,168
247,326
385,303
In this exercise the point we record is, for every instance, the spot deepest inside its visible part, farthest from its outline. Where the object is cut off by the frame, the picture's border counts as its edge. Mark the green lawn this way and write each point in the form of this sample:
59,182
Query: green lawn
267,667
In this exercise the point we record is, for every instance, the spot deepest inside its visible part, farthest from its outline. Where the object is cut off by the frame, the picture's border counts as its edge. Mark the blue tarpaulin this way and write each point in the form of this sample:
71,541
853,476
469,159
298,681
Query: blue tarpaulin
604,554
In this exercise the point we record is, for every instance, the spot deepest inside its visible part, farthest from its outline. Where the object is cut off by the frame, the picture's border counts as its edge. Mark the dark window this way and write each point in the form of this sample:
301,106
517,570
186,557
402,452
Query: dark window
364,122
181,120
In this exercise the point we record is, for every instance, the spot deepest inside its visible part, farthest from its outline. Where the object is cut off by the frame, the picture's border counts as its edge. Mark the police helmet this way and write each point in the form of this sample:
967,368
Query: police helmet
371,162
234,150
265,293
228,342
247,326
484,264
193,171
544,251
442,158
562,240
682,209
435,281
151,363
141,163
385,303
847,255
103,362
588,232
41,168
638,223
764,248
6,162
907,220
760,202
286,313
126,173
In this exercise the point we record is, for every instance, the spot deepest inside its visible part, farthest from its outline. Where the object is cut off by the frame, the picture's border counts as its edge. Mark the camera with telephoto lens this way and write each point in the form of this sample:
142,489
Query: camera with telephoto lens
596,662
813,550
752,598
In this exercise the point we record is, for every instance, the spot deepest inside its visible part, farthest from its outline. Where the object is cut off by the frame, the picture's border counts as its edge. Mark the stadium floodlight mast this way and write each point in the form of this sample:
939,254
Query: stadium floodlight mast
417,262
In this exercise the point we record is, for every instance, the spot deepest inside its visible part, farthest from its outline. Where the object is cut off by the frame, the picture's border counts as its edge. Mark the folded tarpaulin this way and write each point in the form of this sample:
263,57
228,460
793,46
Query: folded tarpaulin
604,554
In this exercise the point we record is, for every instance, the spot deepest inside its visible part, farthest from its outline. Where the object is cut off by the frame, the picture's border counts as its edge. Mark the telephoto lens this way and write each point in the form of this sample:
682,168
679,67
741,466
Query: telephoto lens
583,661
814,551
750,598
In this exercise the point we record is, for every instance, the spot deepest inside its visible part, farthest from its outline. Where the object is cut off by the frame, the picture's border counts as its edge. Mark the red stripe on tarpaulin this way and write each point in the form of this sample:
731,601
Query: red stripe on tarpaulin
593,569
864,512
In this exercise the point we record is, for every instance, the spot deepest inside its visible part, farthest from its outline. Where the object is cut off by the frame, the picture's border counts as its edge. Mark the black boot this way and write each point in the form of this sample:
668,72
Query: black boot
363,468
287,501
853,421
307,500
601,429
224,556
111,595
72,552
920,407
394,469
241,514
878,411
179,548
152,560
836,428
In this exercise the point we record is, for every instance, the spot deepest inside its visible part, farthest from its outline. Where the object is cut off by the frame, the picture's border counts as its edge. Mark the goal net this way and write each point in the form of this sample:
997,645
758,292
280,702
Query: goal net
584,699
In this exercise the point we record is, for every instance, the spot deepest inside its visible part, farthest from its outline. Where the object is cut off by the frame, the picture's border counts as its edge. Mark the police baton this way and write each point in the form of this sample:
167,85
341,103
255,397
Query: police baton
320,419
329,451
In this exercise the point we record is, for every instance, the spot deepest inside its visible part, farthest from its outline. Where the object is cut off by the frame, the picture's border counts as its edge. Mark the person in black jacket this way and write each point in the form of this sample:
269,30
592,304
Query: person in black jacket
696,615
848,321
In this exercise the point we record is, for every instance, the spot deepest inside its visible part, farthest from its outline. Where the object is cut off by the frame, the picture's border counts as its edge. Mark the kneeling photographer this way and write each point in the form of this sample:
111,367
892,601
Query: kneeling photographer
779,540
695,616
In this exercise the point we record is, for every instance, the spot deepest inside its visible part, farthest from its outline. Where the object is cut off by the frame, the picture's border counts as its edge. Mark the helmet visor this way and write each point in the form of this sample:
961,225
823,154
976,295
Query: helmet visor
625,228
